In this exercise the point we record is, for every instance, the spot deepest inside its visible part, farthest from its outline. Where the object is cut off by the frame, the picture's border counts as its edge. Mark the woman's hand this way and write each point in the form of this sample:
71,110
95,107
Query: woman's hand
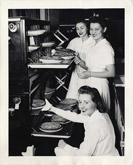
80,62
61,144
47,106
84,75
77,59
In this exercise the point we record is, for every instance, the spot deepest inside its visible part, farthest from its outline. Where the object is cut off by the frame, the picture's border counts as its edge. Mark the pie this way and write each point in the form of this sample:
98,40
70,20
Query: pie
64,52
64,107
50,58
50,126
38,103
68,101
61,120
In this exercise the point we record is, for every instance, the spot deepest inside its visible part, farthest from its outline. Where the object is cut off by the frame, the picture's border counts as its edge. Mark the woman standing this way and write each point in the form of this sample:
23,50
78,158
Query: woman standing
81,45
99,61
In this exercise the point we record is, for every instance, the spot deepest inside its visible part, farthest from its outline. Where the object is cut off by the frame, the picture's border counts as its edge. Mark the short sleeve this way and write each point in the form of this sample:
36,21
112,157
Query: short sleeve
109,55
73,44
70,45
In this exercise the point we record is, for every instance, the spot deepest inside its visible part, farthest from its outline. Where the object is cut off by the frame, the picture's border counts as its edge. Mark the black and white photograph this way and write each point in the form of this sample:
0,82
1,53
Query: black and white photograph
66,84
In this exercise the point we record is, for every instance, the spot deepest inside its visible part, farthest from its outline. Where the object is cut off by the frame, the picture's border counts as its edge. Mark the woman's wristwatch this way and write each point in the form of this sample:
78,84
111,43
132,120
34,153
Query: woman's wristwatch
78,61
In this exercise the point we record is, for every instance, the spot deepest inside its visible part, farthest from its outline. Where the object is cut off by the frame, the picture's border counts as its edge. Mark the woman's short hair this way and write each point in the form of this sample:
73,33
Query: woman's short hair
98,19
96,98
83,21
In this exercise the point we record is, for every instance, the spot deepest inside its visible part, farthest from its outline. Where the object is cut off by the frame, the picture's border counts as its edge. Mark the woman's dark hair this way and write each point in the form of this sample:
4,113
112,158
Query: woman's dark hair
98,19
96,98
83,21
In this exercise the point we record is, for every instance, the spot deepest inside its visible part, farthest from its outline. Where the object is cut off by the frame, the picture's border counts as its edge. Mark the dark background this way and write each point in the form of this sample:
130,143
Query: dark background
64,19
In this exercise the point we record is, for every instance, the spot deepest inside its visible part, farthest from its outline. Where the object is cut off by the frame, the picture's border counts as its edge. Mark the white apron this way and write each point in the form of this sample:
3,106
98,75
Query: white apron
83,48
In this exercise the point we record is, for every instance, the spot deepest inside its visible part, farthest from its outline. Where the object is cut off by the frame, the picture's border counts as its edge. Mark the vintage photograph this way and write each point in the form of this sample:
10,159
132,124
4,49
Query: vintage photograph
66,82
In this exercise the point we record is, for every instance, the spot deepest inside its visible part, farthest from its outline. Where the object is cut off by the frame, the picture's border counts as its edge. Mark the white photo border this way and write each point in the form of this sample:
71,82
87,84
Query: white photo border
82,160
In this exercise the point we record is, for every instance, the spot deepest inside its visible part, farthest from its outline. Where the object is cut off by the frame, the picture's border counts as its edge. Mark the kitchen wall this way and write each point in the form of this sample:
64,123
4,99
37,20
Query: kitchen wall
31,13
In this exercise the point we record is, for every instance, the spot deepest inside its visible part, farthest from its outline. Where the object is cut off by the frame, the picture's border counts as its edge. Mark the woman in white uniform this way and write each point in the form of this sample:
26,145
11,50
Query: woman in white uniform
99,138
81,45
99,61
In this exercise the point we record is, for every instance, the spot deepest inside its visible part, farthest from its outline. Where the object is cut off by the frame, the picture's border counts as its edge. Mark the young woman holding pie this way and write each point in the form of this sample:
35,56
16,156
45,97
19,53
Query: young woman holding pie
81,45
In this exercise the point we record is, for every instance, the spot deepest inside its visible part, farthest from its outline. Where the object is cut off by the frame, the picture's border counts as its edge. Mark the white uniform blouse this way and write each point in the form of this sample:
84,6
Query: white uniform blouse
99,137
101,55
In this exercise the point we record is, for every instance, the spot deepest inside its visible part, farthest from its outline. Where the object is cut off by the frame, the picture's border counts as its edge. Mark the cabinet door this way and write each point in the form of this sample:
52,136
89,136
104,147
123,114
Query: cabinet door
24,103
17,50
19,125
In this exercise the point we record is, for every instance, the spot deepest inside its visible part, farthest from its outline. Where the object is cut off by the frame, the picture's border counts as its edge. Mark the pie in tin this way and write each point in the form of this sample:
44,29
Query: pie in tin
38,103
61,120
50,126
69,101
50,131
64,107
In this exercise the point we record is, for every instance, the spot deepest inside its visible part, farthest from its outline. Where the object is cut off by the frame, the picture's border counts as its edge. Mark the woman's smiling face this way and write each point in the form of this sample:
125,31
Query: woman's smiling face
81,29
97,31
86,105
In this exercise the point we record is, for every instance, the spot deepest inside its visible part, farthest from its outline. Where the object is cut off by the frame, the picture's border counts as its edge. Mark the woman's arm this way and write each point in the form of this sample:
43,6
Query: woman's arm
109,72
66,114
69,115
80,62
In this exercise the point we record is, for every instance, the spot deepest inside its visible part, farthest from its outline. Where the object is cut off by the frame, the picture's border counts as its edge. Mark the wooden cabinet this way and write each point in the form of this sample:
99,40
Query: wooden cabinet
25,38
